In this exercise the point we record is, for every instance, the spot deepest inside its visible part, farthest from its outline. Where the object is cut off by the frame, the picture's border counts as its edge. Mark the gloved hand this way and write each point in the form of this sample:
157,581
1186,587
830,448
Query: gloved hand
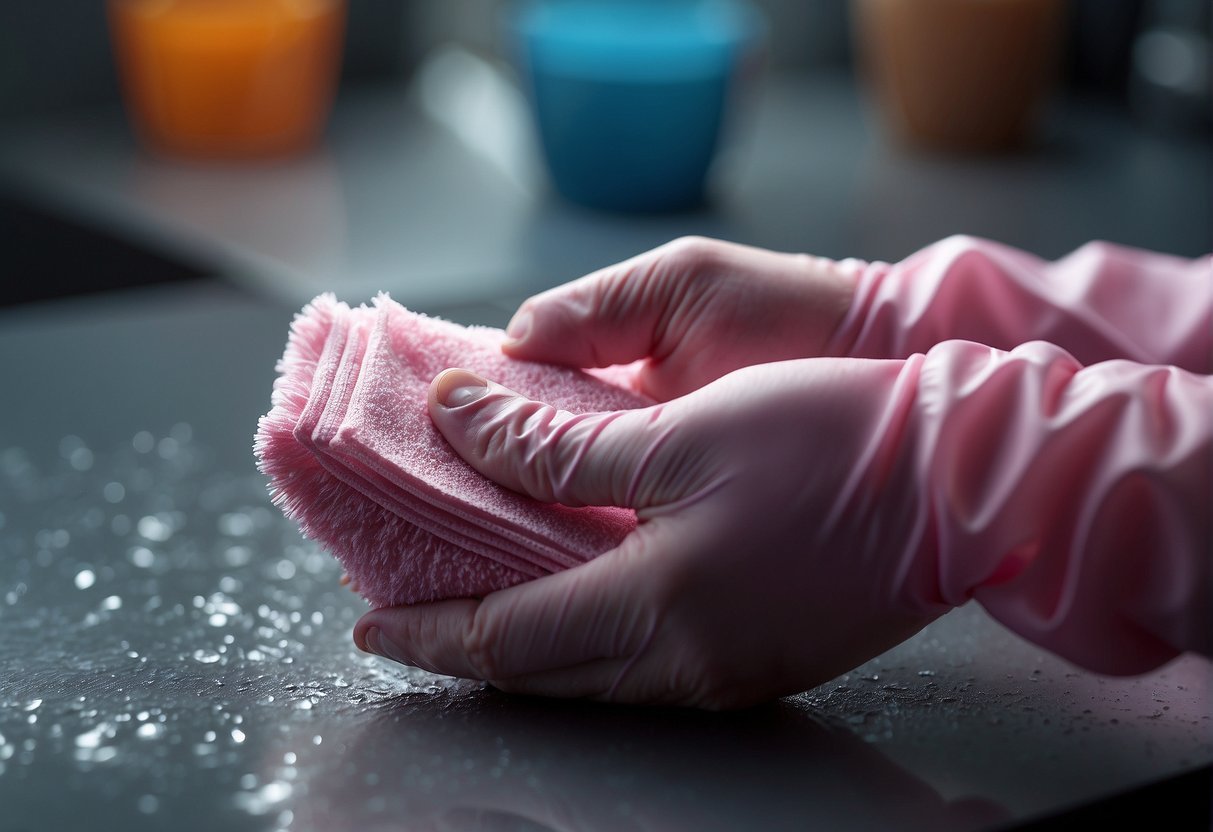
746,578
800,517
694,309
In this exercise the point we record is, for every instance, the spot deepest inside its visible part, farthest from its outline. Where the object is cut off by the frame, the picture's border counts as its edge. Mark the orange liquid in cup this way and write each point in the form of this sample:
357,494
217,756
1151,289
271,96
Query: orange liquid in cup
228,78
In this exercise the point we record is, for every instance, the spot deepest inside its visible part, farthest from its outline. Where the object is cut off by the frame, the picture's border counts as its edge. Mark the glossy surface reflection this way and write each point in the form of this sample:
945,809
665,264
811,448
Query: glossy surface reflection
173,654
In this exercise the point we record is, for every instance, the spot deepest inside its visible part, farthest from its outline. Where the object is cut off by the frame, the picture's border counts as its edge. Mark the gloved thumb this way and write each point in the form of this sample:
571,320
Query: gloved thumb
549,454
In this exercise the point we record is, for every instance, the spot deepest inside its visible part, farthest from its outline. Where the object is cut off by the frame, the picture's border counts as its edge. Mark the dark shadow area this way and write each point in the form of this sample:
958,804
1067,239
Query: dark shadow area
1186,801
491,761
46,256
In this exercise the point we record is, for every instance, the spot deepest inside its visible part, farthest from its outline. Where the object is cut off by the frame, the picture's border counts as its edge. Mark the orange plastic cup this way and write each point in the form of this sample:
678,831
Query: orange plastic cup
228,78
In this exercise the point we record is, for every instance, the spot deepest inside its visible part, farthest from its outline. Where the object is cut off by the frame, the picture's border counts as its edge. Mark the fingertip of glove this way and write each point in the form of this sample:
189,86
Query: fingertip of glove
456,387
519,328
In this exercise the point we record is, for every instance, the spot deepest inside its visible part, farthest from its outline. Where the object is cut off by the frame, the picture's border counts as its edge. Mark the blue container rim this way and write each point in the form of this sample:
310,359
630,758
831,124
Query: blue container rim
634,40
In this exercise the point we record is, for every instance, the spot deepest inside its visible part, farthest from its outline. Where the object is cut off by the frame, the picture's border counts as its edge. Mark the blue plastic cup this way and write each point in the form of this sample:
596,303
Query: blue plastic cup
630,96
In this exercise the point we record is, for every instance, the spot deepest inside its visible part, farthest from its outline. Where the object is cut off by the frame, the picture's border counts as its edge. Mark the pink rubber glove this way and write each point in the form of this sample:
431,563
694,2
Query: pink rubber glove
801,517
696,309
1101,302
693,310
734,587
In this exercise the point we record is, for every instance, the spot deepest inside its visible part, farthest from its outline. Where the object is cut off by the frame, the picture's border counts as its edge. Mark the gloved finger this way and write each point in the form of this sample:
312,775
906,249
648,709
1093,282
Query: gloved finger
641,307
691,310
599,610
611,316
551,455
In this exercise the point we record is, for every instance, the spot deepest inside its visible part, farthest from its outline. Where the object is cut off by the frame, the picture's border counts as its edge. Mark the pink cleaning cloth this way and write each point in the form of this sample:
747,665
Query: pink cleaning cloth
353,457
340,365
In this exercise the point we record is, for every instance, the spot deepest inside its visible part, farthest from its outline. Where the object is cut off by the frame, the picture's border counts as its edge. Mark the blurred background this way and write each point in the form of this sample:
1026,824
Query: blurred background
480,151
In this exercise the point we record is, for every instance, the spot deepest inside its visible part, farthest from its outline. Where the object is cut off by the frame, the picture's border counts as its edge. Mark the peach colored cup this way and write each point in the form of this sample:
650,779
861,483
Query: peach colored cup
228,78
966,75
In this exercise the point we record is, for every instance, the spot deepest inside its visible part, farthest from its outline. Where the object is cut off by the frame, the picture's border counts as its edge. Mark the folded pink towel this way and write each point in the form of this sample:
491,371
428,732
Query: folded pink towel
353,457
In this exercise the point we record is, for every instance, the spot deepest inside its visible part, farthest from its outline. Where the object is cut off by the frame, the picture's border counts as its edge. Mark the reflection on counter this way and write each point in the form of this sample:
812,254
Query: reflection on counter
177,638
496,762
167,619
184,632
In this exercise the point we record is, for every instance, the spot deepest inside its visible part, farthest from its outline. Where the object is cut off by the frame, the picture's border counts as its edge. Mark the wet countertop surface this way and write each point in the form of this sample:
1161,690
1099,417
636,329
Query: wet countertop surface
174,655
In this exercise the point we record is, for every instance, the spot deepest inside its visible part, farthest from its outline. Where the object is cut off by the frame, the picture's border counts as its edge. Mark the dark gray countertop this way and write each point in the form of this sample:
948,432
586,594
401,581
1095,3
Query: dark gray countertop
173,655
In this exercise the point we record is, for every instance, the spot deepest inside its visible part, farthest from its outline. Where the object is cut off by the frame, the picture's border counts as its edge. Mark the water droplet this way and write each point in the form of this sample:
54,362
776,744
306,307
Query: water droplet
114,492
206,656
142,557
154,528
143,442
113,602
81,459
85,578
235,524
105,754
91,739
237,735
238,555
33,705
167,447
149,730
261,801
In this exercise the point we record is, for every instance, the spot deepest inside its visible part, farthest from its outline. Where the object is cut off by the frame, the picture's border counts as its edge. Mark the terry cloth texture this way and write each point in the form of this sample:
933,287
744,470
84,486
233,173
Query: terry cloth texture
353,457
